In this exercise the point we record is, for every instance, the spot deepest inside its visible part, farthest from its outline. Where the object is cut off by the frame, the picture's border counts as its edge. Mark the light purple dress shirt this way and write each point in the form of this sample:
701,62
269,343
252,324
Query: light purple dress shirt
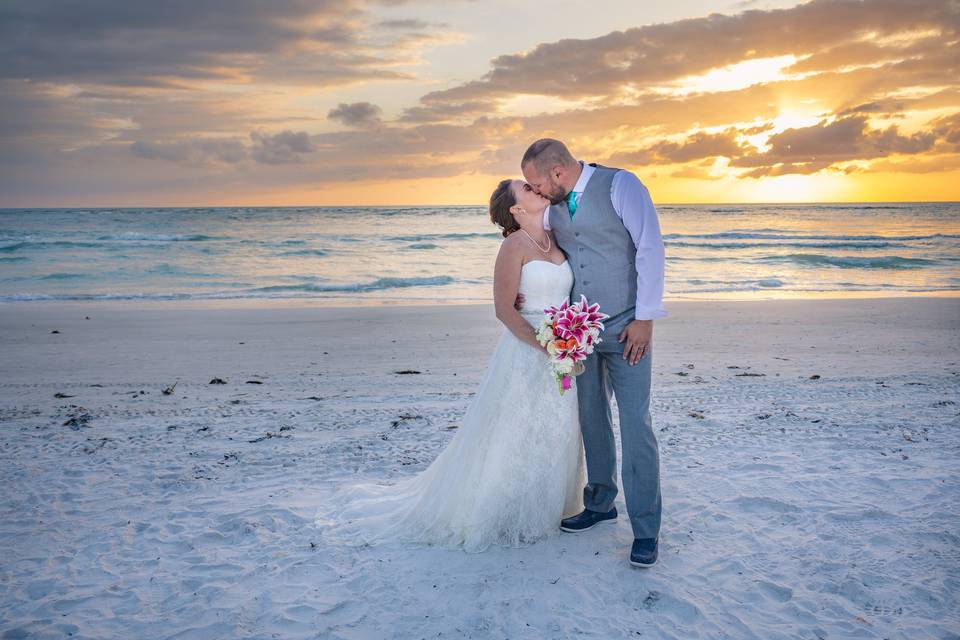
632,202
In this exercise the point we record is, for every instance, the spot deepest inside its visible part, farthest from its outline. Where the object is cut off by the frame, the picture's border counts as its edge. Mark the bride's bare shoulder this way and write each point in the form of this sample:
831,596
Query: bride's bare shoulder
511,250
511,242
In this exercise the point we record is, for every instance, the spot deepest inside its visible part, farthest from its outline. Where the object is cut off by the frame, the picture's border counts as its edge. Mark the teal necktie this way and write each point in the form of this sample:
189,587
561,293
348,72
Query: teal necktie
572,203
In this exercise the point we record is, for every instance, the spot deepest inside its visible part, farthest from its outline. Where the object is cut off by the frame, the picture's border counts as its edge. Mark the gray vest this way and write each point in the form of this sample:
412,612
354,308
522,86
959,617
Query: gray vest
598,247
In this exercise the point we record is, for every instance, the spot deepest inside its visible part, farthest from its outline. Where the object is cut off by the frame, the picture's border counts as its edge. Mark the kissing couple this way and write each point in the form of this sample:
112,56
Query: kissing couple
514,472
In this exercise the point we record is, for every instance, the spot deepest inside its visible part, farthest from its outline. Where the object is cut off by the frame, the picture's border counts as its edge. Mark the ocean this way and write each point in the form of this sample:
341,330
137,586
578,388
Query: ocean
356,255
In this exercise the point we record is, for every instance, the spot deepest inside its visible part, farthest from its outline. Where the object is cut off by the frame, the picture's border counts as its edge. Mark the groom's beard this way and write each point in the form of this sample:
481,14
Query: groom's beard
557,196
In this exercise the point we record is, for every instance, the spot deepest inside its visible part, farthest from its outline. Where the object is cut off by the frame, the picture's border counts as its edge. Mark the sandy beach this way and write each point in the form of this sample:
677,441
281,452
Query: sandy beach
808,449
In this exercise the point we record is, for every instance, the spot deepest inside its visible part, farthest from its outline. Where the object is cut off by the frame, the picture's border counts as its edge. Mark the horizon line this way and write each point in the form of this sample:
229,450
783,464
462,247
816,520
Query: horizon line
417,206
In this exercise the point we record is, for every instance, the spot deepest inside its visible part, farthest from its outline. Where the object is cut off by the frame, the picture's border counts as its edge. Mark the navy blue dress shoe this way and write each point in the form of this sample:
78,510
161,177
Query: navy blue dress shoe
587,519
643,553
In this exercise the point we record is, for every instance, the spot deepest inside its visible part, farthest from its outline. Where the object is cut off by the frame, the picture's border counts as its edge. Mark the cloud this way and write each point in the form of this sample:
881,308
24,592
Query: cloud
633,61
409,23
698,146
422,151
357,114
189,44
284,147
921,165
448,112
801,150
948,129
281,148
872,107
811,149
696,173
192,152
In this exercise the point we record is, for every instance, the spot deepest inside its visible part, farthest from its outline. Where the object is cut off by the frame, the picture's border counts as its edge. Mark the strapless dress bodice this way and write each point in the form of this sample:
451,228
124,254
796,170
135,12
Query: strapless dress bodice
543,284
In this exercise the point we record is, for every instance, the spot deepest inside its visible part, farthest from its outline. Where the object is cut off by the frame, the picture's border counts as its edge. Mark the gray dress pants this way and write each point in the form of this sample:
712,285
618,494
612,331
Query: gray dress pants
608,373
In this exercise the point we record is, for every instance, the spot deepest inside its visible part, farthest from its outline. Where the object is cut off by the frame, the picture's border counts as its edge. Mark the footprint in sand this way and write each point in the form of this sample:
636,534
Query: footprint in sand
775,591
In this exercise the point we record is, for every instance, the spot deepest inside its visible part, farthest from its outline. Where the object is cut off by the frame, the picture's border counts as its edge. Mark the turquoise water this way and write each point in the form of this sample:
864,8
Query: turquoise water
446,254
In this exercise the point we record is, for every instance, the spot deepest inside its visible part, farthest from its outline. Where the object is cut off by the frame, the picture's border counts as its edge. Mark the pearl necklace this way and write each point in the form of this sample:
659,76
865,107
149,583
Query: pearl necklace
542,250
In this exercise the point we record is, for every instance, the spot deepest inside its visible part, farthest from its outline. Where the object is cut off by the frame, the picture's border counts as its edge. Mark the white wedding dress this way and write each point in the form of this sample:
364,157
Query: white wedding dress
512,471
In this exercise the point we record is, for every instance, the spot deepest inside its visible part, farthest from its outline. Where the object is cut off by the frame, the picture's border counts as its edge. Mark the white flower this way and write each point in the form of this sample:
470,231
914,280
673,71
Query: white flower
544,333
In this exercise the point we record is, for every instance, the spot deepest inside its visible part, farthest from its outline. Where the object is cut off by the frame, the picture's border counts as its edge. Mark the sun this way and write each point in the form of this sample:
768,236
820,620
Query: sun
817,187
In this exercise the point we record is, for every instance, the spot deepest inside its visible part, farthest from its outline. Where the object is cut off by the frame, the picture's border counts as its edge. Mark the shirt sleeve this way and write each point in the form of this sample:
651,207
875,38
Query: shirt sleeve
632,202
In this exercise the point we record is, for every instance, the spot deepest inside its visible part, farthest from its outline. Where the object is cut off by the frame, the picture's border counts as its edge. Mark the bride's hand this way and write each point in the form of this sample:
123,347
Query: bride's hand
518,303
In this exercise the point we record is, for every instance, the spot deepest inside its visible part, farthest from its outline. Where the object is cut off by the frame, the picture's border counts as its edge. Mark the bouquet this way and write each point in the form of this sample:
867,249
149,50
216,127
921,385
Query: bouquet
569,332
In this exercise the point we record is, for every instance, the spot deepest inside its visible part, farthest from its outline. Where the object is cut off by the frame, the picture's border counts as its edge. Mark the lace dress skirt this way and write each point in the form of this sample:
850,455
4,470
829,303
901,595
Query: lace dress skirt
509,475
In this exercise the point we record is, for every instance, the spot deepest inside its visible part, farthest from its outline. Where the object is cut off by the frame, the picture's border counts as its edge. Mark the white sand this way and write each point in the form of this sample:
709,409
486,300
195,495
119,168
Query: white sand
793,508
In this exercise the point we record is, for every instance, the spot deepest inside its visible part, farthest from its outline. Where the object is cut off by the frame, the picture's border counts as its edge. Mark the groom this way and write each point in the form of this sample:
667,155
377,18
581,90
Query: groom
606,224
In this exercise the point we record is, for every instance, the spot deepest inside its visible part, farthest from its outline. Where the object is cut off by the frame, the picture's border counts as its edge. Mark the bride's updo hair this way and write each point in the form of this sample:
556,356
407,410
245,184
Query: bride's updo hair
500,203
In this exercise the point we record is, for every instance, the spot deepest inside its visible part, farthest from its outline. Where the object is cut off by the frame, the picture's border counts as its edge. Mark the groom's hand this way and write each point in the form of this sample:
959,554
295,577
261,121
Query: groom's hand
637,335
518,303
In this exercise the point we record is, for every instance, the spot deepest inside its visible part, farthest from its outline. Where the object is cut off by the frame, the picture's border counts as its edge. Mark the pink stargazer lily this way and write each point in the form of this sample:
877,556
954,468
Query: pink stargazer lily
593,318
575,354
577,320
550,311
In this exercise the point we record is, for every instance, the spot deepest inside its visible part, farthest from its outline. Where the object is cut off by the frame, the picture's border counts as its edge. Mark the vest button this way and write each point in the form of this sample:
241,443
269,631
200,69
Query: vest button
576,233
586,282
581,266
579,248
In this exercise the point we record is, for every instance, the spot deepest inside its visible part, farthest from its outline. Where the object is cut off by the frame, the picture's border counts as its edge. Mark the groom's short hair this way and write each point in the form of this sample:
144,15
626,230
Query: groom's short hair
547,153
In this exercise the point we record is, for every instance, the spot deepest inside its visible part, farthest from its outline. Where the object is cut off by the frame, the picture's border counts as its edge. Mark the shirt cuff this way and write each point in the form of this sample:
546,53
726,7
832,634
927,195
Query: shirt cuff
649,314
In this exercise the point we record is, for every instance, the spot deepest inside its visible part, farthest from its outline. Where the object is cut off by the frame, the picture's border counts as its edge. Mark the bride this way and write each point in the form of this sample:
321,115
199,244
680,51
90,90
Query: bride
515,467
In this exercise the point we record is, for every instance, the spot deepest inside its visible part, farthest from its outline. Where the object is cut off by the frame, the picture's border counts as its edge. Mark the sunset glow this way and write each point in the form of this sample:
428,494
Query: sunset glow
418,102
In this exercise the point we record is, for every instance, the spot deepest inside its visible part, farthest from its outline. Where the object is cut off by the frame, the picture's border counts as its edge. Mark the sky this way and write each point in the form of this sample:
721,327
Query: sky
110,103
